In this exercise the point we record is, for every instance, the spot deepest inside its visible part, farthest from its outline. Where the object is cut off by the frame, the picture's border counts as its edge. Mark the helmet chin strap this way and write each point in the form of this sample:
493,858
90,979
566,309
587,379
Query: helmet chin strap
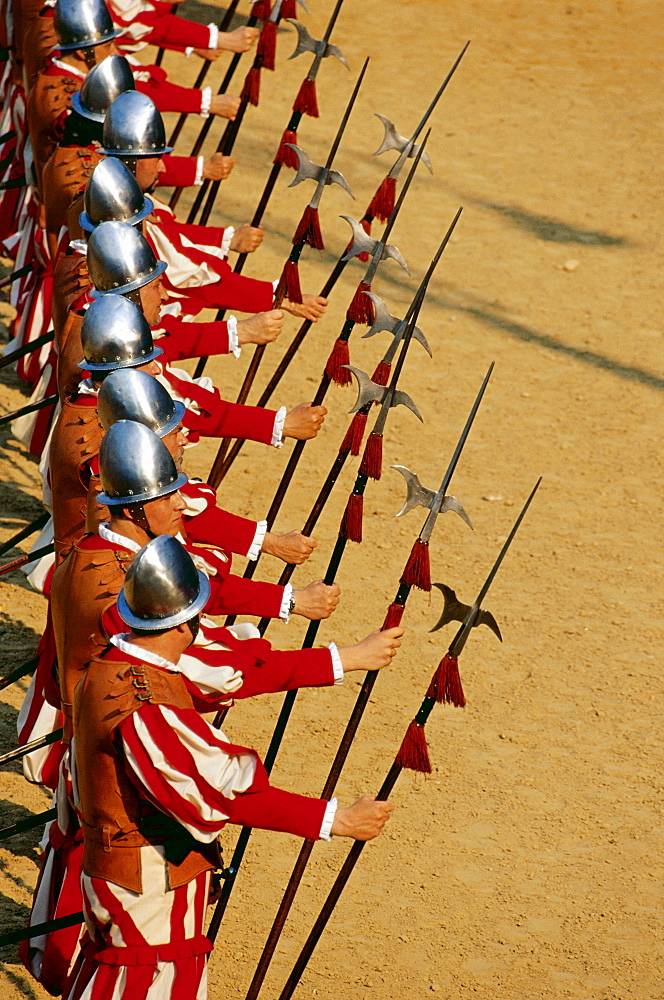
140,518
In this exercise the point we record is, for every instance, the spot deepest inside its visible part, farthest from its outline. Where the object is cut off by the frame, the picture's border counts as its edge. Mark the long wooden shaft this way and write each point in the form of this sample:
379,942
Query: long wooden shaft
18,672
35,525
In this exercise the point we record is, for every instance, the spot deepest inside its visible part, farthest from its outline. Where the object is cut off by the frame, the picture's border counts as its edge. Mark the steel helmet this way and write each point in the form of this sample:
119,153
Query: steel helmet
112,194
81,24
115,334
120,259
135,466
162,587
128,394
134,127
105,81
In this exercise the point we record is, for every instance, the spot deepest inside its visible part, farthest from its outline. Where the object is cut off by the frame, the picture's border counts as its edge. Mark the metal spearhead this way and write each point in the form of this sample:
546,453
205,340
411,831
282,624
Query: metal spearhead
370,392
309,171
421,496
307,43
392,140
455,611
363,243
386,321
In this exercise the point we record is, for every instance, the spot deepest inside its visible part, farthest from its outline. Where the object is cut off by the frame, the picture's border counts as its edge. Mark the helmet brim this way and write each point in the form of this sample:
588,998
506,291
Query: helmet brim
109,501
112,366
175,421
89,226
170,621
80,109
70,46
131,286
133,154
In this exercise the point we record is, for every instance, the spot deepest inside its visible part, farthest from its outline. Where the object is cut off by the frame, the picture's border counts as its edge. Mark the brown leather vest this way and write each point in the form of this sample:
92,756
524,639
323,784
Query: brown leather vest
23,14
64,177
70,351
115,819
76,437
40,38
70,280
84,586
50,96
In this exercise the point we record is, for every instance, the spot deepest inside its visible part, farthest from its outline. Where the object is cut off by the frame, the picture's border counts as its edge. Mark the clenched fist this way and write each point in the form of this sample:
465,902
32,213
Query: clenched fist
317,601
304,422
372,653
263,328
240,40
218,167
364,820
247,238
225,106
293,548
312,307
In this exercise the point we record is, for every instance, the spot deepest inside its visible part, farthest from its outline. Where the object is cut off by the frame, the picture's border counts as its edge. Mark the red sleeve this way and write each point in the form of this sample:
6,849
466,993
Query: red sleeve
180,171
236,596
234,291
173,32
224,419
265,807
215,526
168,96
288,670
192,340
211,236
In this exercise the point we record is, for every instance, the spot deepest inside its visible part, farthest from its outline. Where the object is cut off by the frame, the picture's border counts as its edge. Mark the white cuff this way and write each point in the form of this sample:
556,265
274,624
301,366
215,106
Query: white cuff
206,101
188,51
337,665
214,36
259,538
200,166
328,820
284,610
278,429
229,233
233,346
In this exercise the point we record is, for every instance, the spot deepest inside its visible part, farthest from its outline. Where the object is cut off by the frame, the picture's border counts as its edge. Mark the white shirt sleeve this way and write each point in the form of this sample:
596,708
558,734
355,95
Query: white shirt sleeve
200,164
284,610
233,346
337,667
206,102
259,538
278,429
328,820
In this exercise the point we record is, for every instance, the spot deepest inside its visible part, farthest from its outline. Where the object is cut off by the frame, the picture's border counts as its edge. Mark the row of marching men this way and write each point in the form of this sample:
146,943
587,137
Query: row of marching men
131,661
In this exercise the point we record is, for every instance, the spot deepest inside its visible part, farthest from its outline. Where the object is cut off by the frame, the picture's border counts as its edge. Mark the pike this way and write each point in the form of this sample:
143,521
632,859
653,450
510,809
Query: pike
36,525
413,754
284,155
307,232
27,824
381,204
324,385
38,744
264,58
15,275
44,550
29,348
18,672
30,408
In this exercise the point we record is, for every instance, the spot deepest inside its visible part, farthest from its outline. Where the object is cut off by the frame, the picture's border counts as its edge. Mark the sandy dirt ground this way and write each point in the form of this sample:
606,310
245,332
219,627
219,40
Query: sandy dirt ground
530,863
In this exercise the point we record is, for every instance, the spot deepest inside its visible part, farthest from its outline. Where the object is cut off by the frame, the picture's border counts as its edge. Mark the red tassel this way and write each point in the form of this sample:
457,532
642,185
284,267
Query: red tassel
393,616
339,357
289,284
382,203
413,752
361,309
285,156
251,90
288,9
372,460
351,522
261,9
267,45
418,572
382,374
354,435
445,685
308,230
366,226
306,102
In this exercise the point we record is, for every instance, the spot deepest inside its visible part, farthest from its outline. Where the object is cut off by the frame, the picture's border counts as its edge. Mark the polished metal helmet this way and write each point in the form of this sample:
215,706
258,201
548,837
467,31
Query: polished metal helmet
134,127
162,587
135,466
115,334
105,81
113,194
82,23
128,394
120,260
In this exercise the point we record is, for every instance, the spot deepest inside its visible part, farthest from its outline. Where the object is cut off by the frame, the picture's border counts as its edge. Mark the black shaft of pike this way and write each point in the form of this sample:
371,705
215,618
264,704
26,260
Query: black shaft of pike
321,392
179,125
27,824
33,745
18,672
30,348
26,933
30,408
35,525
15,275
295,253
29,557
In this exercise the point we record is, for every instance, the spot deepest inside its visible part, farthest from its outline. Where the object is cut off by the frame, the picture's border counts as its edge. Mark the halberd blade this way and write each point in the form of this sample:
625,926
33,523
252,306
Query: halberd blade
307,43
307,170
417,495
392,140
363,243
455,611
367,391
386,321
400,398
